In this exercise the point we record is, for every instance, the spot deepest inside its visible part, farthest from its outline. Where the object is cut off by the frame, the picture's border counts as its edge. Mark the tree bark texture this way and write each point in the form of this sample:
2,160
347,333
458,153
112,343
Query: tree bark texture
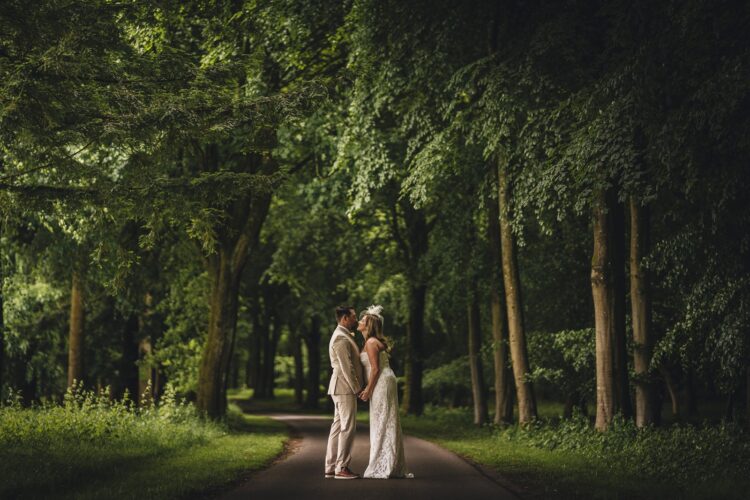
602,288
75,333
502,372
518,348
640,302
215,357
236,238
413,399
414,247
478,390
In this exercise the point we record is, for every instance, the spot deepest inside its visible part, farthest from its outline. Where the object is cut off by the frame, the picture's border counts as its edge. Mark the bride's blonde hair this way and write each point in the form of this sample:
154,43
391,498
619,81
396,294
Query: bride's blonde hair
374,325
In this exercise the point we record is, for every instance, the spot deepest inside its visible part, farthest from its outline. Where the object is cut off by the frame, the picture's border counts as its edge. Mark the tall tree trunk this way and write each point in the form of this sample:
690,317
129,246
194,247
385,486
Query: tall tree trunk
518,349
414,248
245,220
270,357
211,394
503,403
75,335
478,390
640,301
253,378
232,340
604,312
413,400
299,370
264,337
617,233
312,341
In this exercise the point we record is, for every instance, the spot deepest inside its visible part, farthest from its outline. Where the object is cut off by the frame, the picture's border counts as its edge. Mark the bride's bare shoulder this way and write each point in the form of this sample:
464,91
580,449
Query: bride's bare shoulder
374,343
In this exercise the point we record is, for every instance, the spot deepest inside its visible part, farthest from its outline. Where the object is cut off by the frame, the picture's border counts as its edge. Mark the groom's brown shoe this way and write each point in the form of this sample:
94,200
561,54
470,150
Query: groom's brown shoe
345,473
330,474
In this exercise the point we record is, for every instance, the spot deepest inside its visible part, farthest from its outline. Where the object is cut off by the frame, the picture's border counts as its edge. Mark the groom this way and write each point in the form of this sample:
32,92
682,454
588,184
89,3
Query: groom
346,382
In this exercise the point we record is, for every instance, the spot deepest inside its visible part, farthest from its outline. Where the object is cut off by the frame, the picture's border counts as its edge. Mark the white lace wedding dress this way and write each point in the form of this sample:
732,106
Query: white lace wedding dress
386,440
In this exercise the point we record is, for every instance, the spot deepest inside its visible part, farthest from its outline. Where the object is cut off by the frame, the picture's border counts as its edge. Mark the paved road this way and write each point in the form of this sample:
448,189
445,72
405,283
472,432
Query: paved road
439,473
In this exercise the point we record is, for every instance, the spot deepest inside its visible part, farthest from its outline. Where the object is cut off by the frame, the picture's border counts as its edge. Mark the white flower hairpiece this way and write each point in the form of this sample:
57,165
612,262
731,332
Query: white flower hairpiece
376,311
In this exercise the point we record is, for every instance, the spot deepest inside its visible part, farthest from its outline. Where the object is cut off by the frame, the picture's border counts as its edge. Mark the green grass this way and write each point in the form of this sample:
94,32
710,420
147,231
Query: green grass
573,461
97,449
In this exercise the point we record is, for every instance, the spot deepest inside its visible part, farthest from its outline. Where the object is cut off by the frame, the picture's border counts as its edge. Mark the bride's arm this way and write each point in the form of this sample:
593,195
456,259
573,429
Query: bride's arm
372,350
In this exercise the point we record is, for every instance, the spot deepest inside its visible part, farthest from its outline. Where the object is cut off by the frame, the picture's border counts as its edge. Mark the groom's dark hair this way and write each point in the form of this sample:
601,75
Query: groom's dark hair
342,311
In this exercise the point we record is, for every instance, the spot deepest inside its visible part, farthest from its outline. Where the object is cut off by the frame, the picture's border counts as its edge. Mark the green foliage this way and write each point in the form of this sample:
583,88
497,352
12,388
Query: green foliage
178,351
162,450
91,419
566,360
451,379
570,459
679,454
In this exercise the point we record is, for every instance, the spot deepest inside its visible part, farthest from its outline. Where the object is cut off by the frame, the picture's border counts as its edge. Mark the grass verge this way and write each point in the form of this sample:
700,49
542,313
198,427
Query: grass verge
103,450
570,460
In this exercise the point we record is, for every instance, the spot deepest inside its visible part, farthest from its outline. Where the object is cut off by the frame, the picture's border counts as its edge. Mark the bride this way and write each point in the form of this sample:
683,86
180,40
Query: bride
386,441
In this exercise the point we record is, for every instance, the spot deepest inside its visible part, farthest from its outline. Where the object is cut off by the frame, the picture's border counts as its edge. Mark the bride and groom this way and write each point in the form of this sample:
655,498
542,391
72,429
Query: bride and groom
350,367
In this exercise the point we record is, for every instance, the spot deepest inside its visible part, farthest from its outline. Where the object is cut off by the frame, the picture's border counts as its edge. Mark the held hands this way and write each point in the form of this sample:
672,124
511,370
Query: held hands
366,394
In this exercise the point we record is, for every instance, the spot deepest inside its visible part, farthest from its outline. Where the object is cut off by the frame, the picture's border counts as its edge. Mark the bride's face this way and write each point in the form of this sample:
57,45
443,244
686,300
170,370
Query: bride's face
361,326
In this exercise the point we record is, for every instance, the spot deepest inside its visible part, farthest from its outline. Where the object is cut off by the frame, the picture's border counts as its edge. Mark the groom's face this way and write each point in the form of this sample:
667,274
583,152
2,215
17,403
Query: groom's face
351,320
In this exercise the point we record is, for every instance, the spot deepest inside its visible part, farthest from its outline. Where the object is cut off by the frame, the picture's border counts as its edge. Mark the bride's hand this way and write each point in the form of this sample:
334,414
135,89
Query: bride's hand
364,395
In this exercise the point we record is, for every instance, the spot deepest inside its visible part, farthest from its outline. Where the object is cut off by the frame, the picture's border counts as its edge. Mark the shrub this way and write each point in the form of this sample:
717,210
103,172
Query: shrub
89,418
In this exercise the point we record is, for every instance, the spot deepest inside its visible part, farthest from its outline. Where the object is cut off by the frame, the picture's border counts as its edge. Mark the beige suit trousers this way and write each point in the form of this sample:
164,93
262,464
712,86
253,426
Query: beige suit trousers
343,429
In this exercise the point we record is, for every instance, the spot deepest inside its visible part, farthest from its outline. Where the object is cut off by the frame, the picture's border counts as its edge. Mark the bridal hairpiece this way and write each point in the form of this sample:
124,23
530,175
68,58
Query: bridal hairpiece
375,311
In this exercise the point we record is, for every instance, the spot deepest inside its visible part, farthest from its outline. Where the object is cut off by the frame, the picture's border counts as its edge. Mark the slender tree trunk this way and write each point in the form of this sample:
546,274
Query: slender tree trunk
75,335
215,359
232,341
503,404
270,357
264,336
299,370
414,248
413,400
672,390
571,400
640,301
729,408
617,233
255,354
312,340
603,294
518,349
478,390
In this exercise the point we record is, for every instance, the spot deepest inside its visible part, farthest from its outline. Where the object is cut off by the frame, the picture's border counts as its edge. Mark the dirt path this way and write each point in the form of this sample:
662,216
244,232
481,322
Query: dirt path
439,473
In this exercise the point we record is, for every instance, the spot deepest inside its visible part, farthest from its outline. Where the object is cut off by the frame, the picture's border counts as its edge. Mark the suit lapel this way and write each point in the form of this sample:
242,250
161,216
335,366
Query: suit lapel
341,332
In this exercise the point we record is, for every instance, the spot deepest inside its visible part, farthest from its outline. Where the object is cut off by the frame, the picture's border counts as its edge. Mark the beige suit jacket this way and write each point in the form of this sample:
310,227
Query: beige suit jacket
348,373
